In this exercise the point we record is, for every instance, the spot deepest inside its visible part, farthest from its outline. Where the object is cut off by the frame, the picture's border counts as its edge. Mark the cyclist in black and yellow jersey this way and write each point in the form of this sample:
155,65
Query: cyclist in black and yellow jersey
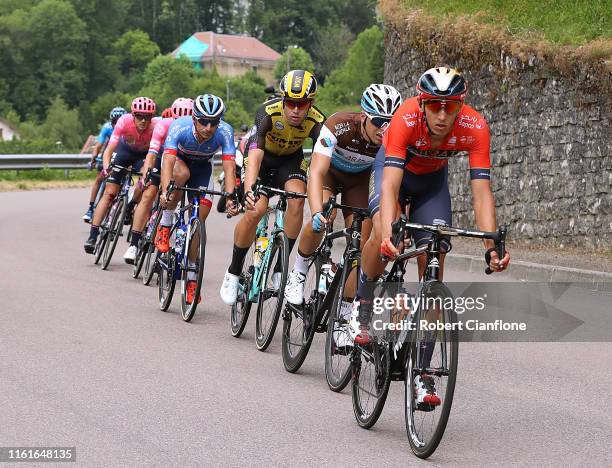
274,154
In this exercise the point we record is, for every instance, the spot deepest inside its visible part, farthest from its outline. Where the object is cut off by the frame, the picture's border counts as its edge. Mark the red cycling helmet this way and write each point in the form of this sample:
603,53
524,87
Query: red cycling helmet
143,105
166,113
181,107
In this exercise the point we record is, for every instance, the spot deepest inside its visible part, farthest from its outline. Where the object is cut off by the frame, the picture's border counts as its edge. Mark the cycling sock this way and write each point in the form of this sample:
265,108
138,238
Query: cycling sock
93,232
301,263
237,260
361,284
166,219
136,237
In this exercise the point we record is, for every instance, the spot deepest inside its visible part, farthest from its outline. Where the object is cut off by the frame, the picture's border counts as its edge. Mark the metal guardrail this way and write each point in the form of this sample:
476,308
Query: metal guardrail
21,162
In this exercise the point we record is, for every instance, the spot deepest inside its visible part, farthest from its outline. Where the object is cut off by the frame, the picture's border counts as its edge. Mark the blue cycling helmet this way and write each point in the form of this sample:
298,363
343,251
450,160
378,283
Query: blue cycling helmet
379,100
117,112
208,106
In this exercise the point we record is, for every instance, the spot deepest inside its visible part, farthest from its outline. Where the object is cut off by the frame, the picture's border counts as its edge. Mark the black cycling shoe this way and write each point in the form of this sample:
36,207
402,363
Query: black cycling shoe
90,245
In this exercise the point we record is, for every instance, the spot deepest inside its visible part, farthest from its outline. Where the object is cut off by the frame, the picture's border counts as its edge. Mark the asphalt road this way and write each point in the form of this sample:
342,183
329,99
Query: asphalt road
88,360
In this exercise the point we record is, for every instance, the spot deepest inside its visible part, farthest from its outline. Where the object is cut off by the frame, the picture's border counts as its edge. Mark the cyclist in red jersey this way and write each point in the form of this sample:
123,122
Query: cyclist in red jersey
425,132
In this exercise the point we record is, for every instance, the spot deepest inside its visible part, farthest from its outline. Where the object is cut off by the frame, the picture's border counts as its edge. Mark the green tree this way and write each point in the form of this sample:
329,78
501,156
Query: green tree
102,106
236,115
248,89
364,65
131,54
61,125
332,44
166,78
294,58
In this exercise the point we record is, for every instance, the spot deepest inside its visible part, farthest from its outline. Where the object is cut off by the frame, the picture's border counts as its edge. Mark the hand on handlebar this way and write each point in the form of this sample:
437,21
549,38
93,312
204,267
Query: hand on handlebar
387,250
232,207
495,264
249,200
319,222
105,172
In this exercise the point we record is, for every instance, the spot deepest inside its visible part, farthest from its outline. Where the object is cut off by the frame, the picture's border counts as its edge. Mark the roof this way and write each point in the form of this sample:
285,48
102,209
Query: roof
203,46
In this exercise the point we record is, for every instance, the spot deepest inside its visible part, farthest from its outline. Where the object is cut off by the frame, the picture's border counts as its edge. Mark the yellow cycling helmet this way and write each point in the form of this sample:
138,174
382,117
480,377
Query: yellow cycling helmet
298,84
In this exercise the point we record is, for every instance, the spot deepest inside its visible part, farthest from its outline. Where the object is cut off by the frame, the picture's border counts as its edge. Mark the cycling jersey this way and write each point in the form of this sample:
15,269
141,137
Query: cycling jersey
275,136
125,132
156,146
408,144
105,133
182,140
341,140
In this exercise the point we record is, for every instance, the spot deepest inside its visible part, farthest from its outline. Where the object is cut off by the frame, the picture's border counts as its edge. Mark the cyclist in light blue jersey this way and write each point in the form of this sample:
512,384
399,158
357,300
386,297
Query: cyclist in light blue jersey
96,157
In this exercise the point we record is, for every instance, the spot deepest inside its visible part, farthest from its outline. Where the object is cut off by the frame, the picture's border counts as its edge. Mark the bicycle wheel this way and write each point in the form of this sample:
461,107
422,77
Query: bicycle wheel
114,232
196,228
337,340
242,307
434,354
370,385
299,322
167,279
146,247
271,297
102,238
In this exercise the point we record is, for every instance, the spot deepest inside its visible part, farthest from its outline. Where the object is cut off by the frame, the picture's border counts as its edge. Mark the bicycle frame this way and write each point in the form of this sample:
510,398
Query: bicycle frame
260,271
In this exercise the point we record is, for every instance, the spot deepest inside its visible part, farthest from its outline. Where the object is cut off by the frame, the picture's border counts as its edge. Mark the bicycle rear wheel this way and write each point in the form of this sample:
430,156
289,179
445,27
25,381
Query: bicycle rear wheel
434,354
147,253
102,238
370,385
242,307
337,340
114,232
196,228
167,279
272,296
300,322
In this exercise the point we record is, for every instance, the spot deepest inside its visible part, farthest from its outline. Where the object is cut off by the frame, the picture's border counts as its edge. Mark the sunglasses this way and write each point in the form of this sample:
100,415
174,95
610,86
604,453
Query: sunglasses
143,116
296,104
205,122
450,107
379,122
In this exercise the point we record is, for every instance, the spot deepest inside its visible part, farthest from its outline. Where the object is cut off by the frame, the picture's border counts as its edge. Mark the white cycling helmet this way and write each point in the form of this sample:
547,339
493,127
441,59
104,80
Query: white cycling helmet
380,100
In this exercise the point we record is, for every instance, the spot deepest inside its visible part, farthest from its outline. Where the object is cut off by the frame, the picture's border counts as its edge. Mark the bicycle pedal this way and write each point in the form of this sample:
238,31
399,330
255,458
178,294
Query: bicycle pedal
321,328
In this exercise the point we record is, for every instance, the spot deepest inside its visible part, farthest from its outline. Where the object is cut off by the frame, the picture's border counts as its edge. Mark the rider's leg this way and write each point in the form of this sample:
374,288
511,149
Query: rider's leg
244,234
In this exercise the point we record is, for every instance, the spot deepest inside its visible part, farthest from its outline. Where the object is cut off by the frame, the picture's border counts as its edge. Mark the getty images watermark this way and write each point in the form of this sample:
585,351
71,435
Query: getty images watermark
493,311
408,304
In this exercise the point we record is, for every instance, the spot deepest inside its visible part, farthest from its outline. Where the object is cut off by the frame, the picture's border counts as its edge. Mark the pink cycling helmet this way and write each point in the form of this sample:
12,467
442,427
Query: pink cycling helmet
143,105
181,107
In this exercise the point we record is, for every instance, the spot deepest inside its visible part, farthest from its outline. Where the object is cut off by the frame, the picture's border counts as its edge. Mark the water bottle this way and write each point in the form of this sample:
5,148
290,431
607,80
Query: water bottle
261,244
180,237
324,278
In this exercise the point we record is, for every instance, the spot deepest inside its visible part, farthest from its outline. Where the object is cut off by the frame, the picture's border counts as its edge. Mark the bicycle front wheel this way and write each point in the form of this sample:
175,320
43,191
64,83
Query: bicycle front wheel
102,238
272,295
300,322
371,378
242,307
432,355
338,340
193,269
114,232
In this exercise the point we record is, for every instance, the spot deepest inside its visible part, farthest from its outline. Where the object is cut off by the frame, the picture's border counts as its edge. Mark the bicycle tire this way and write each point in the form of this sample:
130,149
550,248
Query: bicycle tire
293,359
337,381
242,307
167,281
101,241
146,248
449,343
265,333
114,232
188,310
380,356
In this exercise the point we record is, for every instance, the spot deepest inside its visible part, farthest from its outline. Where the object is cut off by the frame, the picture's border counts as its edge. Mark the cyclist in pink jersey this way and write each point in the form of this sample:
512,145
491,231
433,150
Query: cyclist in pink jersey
127,146
180,107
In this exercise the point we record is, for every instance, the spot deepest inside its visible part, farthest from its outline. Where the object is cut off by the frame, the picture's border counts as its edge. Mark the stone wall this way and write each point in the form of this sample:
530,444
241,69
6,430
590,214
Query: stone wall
550,137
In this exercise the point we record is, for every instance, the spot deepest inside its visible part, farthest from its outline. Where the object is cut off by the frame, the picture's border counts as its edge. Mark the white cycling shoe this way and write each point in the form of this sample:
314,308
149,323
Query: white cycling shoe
229,288
130,254
294,289
426,395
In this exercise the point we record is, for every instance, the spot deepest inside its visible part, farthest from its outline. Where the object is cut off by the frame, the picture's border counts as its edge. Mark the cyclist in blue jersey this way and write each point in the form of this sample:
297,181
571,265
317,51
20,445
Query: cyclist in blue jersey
96,157
187,159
